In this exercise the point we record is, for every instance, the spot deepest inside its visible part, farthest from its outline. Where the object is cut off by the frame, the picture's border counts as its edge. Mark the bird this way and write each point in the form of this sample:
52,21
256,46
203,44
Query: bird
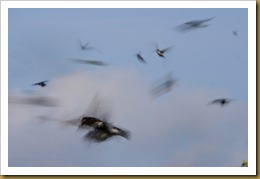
221,101
90,62
160,53
165,86
86,46
100,135
235,33
42,83
140,58
194,24
99,129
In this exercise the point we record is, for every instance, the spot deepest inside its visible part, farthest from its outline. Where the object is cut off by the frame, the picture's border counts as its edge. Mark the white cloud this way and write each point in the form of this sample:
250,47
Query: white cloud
176,129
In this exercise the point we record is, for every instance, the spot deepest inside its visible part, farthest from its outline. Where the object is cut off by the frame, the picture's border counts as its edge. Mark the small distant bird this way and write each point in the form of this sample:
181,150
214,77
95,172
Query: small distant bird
165,86
34,100
195,24
42,83
140,58
222,101
235,33
160,53
90,62
86,46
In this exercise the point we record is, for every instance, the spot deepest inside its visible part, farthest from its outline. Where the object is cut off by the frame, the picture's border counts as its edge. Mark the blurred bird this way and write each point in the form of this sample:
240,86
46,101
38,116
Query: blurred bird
235,33
165,86
195,24
90,62
42,83
96,120
160,53
222,101
140,58
33,100
86,46
104,132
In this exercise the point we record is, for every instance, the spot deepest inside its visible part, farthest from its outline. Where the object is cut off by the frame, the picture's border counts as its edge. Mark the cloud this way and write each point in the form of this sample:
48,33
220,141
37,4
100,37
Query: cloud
178,128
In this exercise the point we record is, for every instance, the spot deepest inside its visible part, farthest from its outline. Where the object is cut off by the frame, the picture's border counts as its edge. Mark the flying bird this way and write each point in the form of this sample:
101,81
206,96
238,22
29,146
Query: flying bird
95,119
100,135
235,33
42,83
86,46
194,24
222,101
161,52
165,86
90,62
34,100
140,58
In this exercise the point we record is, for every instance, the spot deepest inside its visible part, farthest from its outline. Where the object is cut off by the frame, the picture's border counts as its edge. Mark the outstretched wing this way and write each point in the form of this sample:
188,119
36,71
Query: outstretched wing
121,132
70,122
166,49
98,109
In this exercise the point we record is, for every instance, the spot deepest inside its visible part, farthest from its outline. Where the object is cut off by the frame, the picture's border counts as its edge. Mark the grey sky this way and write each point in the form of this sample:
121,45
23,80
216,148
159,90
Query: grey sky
178,128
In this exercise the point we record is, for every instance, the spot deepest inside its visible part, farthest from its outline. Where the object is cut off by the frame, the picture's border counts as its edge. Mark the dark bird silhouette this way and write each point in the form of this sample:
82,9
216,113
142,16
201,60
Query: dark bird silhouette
195,24
235,33
100,135
222,101
96,121
42,83
90,62
160,53
86,46
140,58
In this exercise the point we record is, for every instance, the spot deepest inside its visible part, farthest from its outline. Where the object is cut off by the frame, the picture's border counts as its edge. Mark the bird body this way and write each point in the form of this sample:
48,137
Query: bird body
140,58
42,83
86,46
99,128
222,101
160,53
195,24
102,130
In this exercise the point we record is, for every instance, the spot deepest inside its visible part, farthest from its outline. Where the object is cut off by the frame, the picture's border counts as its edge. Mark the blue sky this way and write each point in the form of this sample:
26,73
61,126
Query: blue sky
178,128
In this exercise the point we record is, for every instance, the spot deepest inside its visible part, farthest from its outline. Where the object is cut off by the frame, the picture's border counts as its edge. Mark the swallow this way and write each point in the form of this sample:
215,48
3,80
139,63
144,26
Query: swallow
195,24
86,46
42,83
140,58
160,53
100,135
90,62
164,86
235,33
222,101
99,129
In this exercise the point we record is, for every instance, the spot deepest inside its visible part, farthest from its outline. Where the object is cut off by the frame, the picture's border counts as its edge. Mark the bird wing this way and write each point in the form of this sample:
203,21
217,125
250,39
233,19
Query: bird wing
98,109
166,49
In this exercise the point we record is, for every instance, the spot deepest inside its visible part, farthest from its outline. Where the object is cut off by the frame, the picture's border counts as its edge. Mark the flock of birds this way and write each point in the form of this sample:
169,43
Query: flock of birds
99,129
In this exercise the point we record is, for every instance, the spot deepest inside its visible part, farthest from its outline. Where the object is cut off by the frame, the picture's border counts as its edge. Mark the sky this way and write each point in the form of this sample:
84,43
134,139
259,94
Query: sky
178,128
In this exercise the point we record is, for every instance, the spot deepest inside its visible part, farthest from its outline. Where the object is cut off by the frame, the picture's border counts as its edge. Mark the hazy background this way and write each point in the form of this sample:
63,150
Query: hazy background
178,128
